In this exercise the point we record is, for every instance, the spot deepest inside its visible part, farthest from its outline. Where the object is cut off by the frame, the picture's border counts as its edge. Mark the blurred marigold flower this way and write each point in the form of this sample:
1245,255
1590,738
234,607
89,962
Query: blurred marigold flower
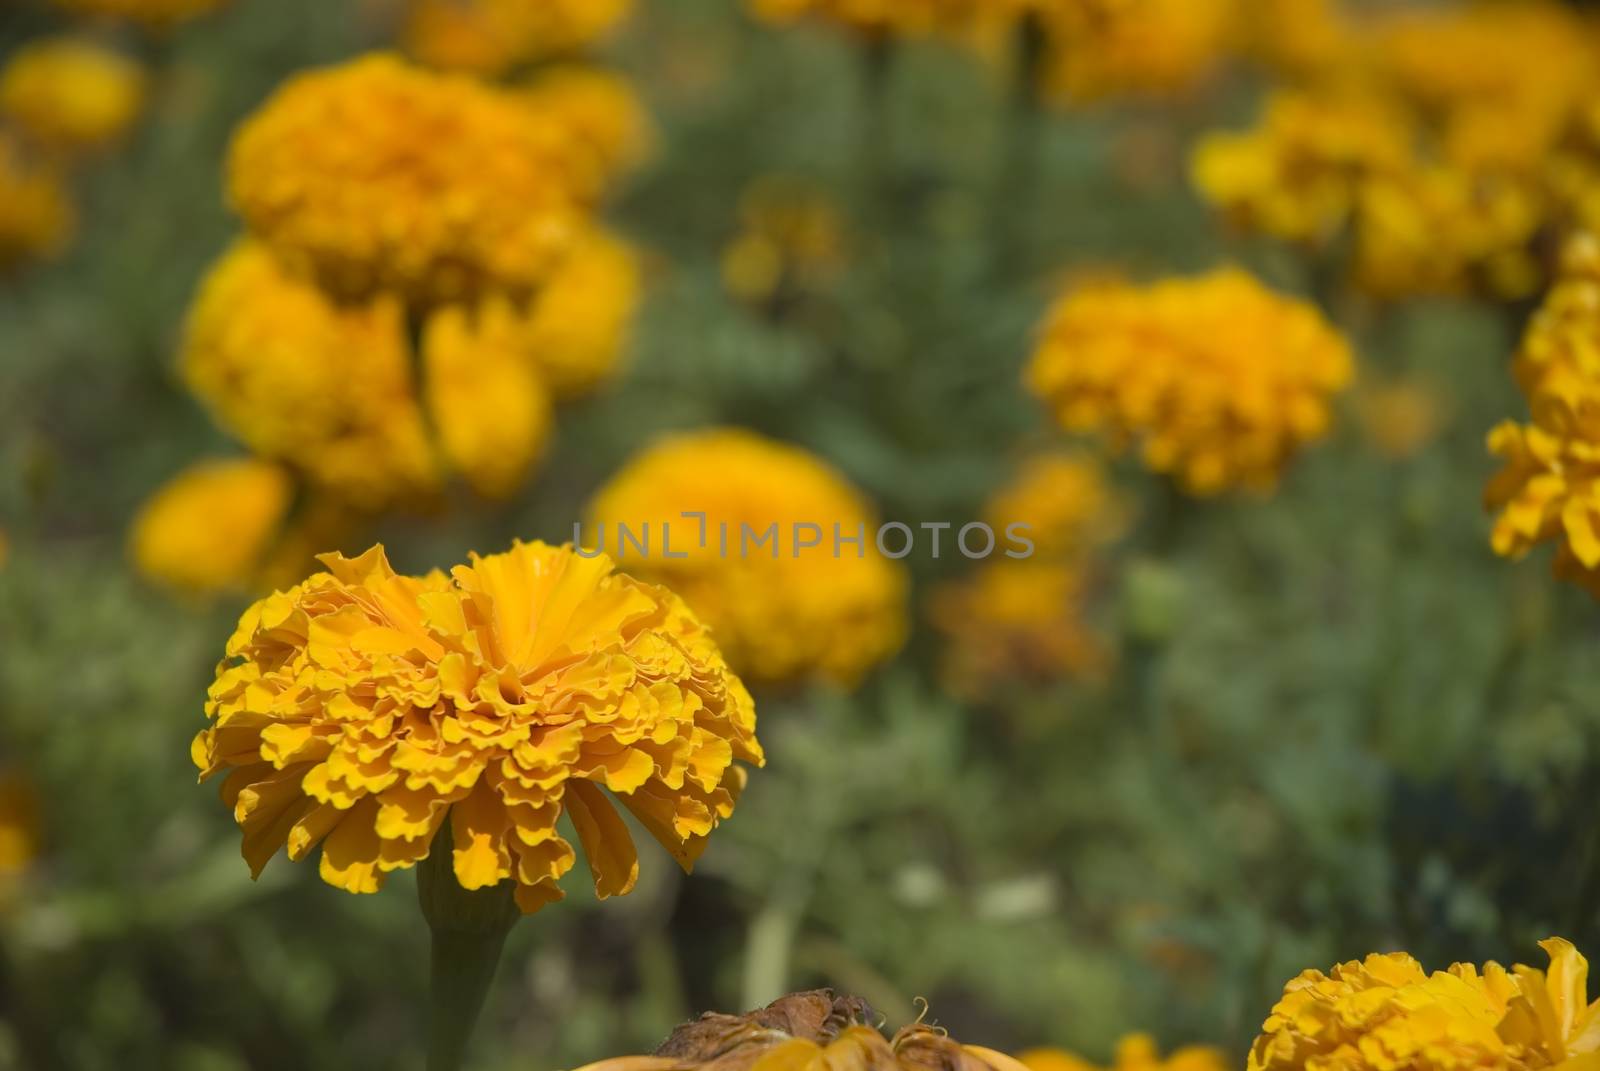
1400,416
1386,1012
155,14
601,111
489,37
1066,500
208,529
19,826
1135,1052
812,1031
791,240
1563,336
1297,175
326,389
376,175
70,95
361,709
489,407
1218,379
781,611
37,218
1112,48
1297,38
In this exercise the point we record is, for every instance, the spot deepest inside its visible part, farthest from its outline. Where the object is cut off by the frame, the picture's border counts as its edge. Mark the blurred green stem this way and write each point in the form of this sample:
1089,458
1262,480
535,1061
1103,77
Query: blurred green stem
877,63
469,933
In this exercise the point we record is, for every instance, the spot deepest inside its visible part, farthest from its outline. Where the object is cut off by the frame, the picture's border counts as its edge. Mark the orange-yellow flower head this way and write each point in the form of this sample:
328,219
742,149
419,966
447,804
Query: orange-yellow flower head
489,37
1549,488
1219,380
209,528
361,709
782,611
1135,1052
37,219
326,389
376,175
604,118
70,95
1297,176
19,828
1113,48
155,14
1067,502
1387,1012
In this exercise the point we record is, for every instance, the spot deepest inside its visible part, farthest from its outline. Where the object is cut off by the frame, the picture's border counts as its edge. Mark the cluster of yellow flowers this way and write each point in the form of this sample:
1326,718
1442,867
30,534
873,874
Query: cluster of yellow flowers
1428,138
1218,379
1385,1013
490,37
1549,488
783,611
61,100
414,294
1023,619
361,709
1135,1052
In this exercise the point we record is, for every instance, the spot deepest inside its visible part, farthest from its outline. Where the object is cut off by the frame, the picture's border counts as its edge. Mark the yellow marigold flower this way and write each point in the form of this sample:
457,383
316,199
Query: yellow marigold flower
578,329
1133,47
602,114
811,1031
19,826
209,528
791,239
1220,380
157,14
487,403
1135,1052
326,389
1400,416
1442,230
1387,1012
489,37
375,175
1296,37
361,709
37,219
1564,334
781,611
71,95
1066,501
1017,620
1298,174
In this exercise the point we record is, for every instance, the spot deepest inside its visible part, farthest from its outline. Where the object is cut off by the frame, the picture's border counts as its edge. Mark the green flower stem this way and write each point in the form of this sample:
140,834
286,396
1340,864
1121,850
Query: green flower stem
469,933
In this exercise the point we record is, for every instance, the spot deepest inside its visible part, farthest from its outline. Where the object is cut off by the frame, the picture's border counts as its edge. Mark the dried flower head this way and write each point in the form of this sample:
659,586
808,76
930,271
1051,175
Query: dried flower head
326,389
70,95
782,606
1387,1012
209,528
361,709
809,1032
1218,379
376,175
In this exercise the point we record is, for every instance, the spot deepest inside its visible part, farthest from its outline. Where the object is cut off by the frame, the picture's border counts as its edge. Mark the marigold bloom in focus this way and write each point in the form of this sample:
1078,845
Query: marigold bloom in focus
326,389
1549,488
71,95
37,219
489,37
376,175
156,14
1135,1052
209,528
781,612
1298,174
361,709
808,1032
1218,379
602,114
1386,1012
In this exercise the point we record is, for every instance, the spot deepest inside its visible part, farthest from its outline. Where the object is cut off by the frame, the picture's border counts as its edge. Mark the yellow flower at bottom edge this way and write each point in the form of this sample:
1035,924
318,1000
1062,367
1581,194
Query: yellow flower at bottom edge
1219,380
379,175
361,709
209,528
71,95
1385,1013
813,1031
36,216
782,611
1135,1052
326,389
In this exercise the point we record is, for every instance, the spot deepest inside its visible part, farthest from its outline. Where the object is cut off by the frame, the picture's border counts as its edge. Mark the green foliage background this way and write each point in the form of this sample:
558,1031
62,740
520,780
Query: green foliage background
1356,731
